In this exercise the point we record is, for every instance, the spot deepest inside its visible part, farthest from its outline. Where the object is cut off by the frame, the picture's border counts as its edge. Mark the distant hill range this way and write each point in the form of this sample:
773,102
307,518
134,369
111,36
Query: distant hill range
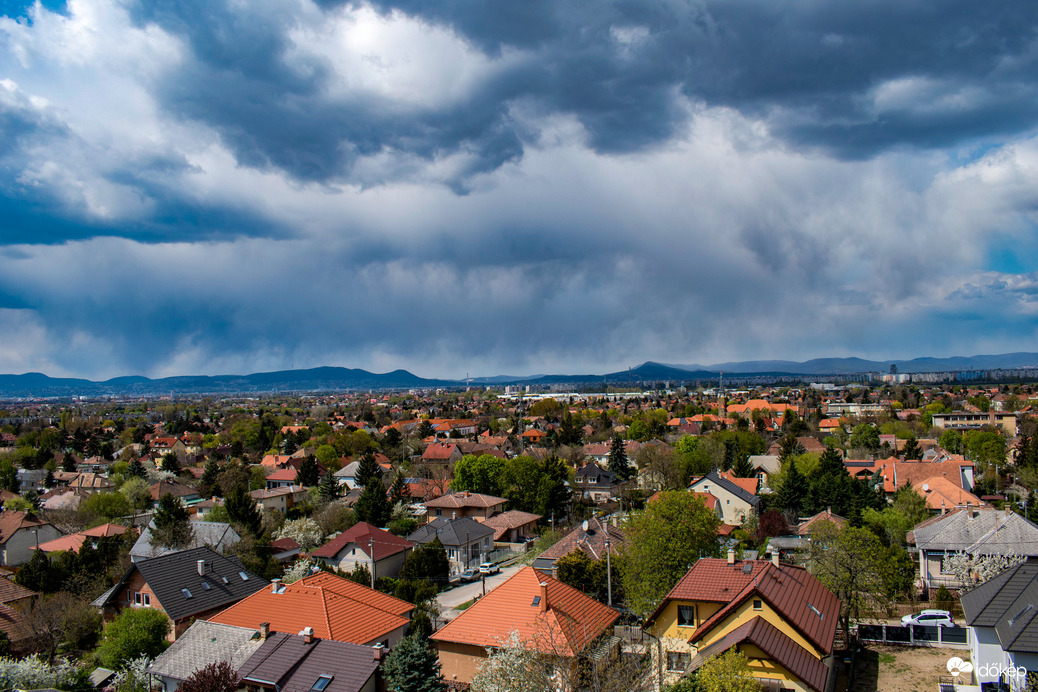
330,379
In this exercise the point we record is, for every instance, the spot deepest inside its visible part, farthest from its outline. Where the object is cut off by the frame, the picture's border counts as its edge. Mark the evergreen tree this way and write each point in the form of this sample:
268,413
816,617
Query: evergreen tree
309,473
427,562
742,467
68,463
790,446
413,667
243,512
207,485
728,461
399,492
136,469
794,488
172,523
39,575
912,450
328,489
368,471
373,505
170,462
553,491
618,463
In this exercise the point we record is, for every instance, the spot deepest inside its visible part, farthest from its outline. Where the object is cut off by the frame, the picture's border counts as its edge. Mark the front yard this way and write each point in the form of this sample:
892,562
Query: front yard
901,668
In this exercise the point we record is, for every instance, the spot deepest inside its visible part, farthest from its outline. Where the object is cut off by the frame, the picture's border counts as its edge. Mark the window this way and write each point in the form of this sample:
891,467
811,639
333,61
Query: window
678,660
205,586
187,594
758,604
142,599
686,615
321,683
244,577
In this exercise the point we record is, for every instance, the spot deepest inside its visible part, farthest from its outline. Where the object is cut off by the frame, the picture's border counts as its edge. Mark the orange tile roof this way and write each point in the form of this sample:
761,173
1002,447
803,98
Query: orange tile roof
74,541
564,623
335,607
747,484
457,500
941,493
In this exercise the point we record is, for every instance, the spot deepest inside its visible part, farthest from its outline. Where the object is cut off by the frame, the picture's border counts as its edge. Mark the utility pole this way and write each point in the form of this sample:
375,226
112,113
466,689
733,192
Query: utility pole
371,552
609,570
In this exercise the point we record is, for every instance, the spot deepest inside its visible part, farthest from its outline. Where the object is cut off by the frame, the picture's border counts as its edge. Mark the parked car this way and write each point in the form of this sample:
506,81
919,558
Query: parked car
489,568
934,618
469,575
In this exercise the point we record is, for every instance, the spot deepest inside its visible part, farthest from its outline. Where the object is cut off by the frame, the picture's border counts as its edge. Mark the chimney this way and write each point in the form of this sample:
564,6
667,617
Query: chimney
308,635
454,515
264,631
275,584
731,556
544,597
943,508
378,652
201,568
775,558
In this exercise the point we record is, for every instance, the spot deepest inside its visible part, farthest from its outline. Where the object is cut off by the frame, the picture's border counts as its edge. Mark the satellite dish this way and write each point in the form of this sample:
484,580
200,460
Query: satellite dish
926,487
584,526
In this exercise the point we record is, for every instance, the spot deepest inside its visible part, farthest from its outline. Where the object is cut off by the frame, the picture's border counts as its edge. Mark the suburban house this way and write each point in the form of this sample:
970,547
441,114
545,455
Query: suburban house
547,615
594,540
75,541
347,475
779,615
441,453
186,493
766,466
20,533
513,526
595,483
302,662
336,608
282,498
211,534
467,541
465,504
201,644
970,530
187,585
1003,629
736,497
364,544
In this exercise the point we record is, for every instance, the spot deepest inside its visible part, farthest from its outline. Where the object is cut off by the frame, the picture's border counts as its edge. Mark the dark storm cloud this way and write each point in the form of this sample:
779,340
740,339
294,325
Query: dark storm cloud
810,69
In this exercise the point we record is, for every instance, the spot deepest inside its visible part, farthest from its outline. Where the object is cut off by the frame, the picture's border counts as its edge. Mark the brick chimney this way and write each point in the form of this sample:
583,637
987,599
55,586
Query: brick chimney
264,631
308,635
275,584
378,651
544,597
731,556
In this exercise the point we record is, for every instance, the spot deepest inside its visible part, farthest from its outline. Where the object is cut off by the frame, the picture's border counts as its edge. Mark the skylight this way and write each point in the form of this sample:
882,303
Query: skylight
187,594
536,600
205,586
814,610
1020,614
225,580
321,683
244,577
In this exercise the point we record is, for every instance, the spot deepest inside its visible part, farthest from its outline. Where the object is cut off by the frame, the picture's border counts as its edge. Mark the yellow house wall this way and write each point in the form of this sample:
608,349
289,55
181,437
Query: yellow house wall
666,623
762,666
744,614
460,662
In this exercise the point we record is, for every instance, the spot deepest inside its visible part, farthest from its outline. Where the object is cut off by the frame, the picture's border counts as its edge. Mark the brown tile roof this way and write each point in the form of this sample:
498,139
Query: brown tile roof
591,542
781,648
465,499
177,489
74,541
555,618
9,591
11,521
438,451
792,591
362,534
512,519
808,525
336,608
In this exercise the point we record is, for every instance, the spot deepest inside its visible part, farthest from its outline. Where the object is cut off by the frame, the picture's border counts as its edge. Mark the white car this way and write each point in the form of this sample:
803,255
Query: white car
489,568
934,618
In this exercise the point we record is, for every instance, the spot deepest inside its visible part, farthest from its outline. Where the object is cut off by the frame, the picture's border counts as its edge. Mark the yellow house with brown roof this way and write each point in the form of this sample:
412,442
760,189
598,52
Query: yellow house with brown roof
779,616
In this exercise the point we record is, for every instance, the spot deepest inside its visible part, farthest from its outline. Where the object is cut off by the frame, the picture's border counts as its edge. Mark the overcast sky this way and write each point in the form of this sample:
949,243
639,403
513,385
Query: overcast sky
513,187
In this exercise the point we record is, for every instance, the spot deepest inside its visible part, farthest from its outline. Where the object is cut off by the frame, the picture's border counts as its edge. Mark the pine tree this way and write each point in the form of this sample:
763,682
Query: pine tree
618,463
373,505
729,455
400,491
912,450
172,523
794,488
207,485
328,489
742,467
243,512
170,462
136,469
309,473
68,463
368,471
413,667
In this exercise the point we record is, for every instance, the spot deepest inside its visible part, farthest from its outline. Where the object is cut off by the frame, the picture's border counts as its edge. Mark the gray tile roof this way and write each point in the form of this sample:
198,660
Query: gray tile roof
216,535
286,661
204,643
734,489
169,574
452,532
988,532
1009,603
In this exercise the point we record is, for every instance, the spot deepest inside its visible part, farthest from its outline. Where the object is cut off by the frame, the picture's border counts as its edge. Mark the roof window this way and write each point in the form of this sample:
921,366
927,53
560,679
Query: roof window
814,610
321,683
244,577
187,594
536,601
1020,614
205,586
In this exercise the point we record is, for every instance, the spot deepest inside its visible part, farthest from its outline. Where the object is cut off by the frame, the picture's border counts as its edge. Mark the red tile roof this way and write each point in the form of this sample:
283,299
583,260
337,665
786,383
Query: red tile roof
362,534
438,451
780,647
74,541
336,608
11,521
557,619
459,500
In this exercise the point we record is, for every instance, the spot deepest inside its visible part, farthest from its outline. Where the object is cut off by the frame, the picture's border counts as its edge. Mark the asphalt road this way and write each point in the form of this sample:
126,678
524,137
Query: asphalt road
449,600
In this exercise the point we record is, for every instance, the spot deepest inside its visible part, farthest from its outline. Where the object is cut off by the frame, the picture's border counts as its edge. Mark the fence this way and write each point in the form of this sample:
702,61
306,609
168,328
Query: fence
902,608
916,635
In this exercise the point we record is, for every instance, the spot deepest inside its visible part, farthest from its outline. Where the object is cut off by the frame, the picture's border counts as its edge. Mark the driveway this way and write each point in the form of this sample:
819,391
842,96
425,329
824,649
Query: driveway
449,600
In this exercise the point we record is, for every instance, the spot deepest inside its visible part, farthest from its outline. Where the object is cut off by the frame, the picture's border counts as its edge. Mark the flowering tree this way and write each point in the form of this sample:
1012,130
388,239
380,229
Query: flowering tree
33,673
305,532
514,668
974,570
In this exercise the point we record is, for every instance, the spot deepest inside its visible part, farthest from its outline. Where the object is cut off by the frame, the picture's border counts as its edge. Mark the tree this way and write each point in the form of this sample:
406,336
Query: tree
479,474
974,570
104,507
38,574
412,666
849,562
912,450
893,523
68,463
215,677
303,531
515,668
662,542
742,467
865,436
137,493
793,491
207,484
136,469
368,471
309,473
170,463
618,463
399,492
243,512
373,505
172,524
329,489
582,573
135,632
728,672
428,561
